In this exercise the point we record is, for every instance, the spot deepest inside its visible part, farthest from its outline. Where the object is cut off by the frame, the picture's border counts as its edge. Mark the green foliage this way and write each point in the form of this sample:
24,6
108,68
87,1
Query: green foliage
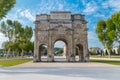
5,7
92,51
60,51
7,28
101,31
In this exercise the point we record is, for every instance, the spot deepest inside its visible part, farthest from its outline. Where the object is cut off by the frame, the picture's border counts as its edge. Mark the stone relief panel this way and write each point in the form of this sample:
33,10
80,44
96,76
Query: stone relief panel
43,26
69,25
61,30
60,15
53,25
41,17
42,36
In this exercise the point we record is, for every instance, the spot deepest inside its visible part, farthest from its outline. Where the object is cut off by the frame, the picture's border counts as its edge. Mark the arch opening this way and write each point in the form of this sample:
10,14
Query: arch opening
60,50
79,52
43,52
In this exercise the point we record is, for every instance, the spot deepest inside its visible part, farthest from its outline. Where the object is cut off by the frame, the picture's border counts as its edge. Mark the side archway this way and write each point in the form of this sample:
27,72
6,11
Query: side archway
43,50
79,52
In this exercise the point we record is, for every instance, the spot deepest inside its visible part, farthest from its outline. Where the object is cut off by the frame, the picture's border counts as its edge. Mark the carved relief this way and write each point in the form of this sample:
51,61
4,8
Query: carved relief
43,26
60,15
42,36
61,30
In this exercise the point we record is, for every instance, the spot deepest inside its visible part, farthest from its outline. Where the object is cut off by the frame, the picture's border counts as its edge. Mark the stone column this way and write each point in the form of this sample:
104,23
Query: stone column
64,51
50,56
37,57
81,57
86,53
71,54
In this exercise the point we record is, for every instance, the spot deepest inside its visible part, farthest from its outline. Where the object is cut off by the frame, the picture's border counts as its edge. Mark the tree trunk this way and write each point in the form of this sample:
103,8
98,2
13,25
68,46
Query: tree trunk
8,53
13,53
109,54
119,49
22,53
108,50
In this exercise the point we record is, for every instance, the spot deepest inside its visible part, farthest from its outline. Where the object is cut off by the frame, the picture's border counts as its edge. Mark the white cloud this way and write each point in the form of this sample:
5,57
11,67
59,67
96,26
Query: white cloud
15,15
99,15
26,13
115,4
83,2
60,7
90,7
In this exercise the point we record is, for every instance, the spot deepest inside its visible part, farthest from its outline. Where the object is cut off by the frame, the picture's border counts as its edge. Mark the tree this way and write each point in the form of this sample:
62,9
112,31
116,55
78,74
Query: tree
7,28
24,38
92,51
105,33
60,51
116,20
5,7
18,37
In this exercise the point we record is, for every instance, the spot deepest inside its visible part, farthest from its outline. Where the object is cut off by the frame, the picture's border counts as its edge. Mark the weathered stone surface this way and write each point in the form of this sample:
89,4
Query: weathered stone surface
61,25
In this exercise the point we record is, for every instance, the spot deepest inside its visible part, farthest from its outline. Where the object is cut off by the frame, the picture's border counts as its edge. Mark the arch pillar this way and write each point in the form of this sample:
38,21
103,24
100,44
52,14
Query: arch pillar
50,55
86,54
71,54
37,57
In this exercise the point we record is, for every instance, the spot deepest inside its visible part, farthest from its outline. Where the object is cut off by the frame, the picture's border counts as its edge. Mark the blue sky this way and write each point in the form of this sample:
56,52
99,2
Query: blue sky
94,10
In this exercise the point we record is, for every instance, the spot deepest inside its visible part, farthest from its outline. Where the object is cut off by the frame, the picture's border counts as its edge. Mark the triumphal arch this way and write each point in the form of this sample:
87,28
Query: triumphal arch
61,25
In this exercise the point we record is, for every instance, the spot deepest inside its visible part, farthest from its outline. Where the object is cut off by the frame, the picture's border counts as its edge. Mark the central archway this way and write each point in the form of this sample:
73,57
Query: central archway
60,50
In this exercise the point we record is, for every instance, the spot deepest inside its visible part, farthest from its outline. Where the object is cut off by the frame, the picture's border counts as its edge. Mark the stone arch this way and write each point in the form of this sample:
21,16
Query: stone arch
79,52
50,27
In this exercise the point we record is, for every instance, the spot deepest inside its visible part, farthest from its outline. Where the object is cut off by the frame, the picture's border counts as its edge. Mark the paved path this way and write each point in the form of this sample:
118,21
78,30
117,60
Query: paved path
64,64
82,73
61,71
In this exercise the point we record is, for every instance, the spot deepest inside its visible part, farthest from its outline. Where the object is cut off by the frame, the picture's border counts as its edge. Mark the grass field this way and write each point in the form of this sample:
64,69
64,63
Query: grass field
104,57
7,63
14,57
106,61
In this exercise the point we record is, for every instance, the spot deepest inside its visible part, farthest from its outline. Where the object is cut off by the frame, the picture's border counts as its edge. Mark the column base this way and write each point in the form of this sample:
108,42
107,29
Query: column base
36,60
50,58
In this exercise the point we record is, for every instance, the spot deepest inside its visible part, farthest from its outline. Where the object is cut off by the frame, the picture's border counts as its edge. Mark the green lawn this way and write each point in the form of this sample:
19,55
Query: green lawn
7,63
104,56
106,61
14,57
